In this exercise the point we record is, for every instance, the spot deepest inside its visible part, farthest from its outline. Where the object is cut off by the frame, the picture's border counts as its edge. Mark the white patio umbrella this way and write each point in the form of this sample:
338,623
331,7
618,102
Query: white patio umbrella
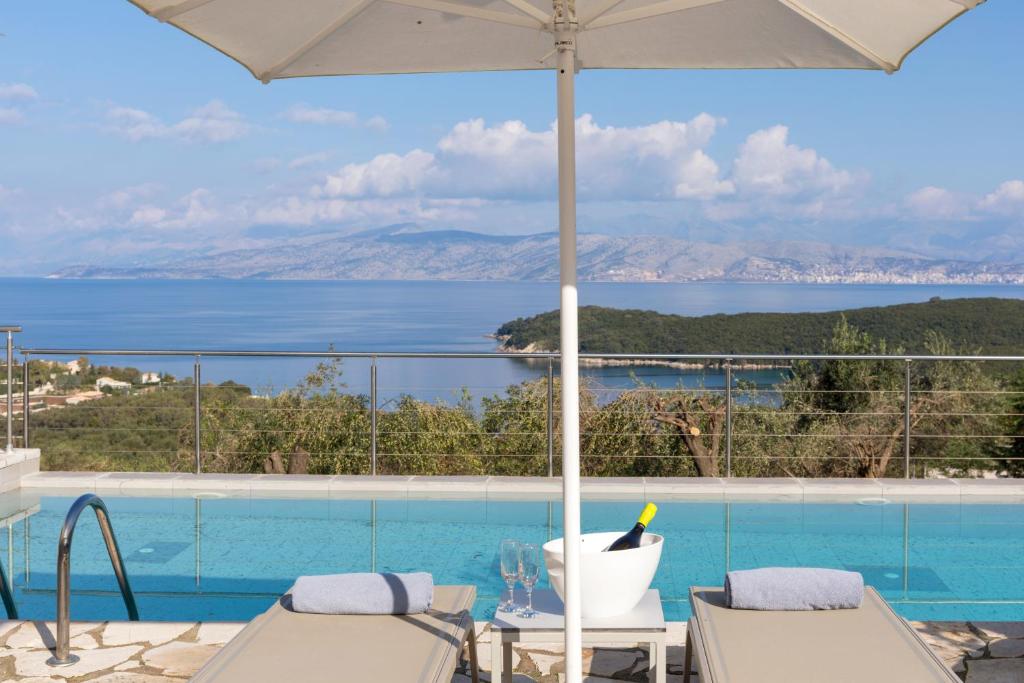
292,38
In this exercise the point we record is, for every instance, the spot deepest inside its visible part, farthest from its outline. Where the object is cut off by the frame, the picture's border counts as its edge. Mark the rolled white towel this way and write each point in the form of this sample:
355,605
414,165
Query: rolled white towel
793,588
363,593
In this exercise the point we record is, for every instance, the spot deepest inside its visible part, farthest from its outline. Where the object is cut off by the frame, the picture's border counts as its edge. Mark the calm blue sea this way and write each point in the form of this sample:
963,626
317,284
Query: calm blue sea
385,316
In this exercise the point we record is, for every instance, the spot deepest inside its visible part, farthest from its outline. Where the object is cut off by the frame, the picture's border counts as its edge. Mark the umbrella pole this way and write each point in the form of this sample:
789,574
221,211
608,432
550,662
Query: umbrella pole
565,43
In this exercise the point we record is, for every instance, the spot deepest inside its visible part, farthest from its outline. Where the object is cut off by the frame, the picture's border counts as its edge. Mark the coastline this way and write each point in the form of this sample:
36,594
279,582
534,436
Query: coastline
503,347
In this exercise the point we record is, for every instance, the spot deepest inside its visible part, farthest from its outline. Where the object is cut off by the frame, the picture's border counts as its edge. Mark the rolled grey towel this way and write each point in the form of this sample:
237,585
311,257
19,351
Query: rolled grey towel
793,588
363,593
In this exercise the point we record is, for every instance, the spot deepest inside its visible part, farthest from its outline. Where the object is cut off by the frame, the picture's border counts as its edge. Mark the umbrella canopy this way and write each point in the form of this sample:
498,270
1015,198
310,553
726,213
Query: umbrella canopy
292,38
282,39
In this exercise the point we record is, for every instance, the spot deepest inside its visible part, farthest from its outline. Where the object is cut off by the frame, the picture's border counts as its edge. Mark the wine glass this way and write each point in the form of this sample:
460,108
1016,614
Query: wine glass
529,572
509,572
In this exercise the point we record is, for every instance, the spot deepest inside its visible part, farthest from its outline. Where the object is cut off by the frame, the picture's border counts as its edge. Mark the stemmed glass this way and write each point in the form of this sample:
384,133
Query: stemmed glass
509,572
529,572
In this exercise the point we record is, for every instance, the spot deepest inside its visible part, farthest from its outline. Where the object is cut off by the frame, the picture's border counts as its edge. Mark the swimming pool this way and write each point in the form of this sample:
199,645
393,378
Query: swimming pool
210,558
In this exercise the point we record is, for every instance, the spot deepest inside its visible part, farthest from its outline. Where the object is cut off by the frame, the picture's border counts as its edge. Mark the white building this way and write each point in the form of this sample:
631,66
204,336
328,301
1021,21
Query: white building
150,378
111,383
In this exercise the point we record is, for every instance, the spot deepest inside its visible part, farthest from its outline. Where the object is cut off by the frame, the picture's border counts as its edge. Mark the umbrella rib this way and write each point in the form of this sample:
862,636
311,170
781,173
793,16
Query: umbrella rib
527,8
601,10
350,13
473,12
647,11
833,31
168,13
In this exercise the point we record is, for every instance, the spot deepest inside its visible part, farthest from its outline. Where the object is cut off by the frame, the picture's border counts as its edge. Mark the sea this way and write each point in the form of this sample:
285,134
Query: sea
374,316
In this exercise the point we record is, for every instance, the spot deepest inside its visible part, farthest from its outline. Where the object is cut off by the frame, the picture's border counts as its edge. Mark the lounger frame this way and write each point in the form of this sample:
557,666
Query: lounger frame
890,639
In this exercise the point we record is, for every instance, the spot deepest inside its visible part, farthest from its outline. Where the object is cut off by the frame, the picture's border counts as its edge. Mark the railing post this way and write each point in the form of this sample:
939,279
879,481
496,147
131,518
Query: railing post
7,592
551,418
10,389
728,417
906,420
373,416
197,379
24,402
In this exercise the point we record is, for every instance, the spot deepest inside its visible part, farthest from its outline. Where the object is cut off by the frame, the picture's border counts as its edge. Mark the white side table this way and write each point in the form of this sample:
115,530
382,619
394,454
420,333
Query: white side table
645,624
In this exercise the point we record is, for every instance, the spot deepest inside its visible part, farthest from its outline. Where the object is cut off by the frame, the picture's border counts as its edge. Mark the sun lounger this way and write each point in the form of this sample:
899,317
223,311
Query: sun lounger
285,646
870,643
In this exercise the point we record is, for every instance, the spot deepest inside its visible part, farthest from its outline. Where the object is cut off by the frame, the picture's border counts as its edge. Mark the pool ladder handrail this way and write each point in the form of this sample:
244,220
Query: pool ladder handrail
7,595
62,653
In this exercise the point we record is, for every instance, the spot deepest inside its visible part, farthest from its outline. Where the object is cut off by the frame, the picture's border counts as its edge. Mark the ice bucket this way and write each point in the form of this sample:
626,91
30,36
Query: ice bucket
612,583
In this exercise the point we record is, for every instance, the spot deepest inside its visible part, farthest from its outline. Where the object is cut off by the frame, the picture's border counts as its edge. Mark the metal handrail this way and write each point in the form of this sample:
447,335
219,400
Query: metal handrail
5,593
540,355
62,654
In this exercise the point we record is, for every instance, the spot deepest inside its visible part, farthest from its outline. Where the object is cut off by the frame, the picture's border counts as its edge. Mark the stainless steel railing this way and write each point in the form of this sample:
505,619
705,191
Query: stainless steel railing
9,330
62,654
727,362
7,594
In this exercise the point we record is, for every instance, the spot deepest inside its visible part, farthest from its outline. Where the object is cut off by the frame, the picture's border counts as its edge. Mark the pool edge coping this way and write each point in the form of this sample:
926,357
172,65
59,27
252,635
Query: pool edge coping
514,488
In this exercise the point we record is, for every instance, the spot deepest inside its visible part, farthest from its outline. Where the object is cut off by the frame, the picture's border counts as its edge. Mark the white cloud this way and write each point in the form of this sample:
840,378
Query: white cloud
698,179
935,203
509,161
213,122
1006,200
376,211
773,178
307,160
767,164
17,91
193,210
387,175
135,124
146,207
147,215
377,123
124,197
324,116
10,115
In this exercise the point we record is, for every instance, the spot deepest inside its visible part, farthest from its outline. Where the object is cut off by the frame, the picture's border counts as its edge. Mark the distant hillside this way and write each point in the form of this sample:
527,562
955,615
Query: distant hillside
991,326
408,253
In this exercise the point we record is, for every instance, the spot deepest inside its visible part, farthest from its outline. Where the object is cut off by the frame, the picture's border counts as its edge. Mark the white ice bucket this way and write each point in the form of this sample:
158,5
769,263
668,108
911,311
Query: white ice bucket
612,583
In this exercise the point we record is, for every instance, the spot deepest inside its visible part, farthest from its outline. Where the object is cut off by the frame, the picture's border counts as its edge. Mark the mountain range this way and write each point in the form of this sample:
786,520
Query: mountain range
405,252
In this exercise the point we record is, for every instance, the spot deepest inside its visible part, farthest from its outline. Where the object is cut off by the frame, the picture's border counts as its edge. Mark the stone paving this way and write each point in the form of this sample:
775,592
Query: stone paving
155,652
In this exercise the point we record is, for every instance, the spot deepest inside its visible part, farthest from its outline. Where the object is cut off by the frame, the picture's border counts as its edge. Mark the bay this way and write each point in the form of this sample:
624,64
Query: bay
405,316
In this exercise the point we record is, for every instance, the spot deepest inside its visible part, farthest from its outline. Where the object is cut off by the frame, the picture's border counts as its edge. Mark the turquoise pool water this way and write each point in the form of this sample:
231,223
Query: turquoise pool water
227,558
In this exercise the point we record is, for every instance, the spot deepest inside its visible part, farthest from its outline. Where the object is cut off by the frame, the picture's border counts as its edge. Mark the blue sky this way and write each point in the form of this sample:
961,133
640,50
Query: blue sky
122,139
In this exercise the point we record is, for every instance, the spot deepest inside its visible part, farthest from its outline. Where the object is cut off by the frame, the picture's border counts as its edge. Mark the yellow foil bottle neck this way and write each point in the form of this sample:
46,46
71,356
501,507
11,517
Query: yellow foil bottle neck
648,514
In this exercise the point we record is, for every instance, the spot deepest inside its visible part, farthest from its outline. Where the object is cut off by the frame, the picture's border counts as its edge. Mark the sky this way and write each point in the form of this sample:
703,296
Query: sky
123,140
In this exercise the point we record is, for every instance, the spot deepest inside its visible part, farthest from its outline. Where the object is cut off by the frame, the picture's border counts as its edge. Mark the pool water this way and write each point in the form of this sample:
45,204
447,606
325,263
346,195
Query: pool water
227,558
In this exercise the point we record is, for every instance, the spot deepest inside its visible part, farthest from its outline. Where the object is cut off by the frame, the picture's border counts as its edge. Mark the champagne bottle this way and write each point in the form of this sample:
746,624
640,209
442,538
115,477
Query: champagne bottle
632,538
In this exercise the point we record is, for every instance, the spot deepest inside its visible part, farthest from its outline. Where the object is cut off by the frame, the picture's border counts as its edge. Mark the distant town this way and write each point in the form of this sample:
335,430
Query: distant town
56,384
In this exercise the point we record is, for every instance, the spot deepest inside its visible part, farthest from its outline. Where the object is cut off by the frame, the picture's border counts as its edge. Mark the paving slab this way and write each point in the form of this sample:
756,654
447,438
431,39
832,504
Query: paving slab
164,652
152,632
995,671
178,658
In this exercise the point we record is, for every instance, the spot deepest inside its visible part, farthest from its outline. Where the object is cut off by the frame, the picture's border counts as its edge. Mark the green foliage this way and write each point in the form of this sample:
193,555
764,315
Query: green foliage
841,418
992,325
1013,455
515,428
120,432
